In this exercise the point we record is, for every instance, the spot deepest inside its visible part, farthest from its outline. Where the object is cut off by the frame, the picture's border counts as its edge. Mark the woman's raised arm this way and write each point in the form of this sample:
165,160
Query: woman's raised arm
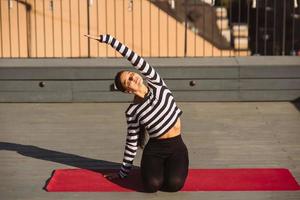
137,61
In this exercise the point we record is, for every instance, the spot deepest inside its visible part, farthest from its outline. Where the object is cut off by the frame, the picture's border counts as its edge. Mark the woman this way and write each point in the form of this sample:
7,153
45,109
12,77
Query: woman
164,164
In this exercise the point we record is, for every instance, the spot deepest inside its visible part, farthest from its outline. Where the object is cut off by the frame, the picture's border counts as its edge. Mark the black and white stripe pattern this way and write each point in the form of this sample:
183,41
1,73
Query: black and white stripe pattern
157,113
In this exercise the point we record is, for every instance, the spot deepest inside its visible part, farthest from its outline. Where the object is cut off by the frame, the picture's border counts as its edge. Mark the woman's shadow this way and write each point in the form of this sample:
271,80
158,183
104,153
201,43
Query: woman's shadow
133,181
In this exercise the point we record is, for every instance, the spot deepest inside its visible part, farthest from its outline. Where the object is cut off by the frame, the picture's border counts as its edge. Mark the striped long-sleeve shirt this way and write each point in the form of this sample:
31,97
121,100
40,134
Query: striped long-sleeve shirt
158,111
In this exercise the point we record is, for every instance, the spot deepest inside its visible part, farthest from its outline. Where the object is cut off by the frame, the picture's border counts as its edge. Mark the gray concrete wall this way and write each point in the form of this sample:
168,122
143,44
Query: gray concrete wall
90,80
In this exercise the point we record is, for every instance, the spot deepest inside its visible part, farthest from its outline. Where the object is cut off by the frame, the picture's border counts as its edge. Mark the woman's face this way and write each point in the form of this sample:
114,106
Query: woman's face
131,81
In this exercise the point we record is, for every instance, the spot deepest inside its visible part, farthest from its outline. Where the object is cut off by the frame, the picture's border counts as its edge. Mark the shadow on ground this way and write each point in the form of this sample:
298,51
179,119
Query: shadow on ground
101,166
296,103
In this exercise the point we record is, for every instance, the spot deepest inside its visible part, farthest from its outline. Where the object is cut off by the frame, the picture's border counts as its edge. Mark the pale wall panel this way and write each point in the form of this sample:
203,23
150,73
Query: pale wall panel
57,24
146,32
66,28
14,34
23,30
137,27
207,49
83,18
5,29
226,53
1,46
190,44
40,33
172,34
154,43
199,46
94,28
180,39
48,29
163,34
128,24
75,43
32,28
102,25
217,51
120,26
110,5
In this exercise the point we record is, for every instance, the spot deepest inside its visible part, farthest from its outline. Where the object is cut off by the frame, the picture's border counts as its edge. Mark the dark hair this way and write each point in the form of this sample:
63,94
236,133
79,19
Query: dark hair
118,82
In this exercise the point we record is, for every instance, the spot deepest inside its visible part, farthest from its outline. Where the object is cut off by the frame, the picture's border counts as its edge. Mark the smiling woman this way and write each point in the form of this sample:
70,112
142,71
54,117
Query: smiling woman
164,164
130,82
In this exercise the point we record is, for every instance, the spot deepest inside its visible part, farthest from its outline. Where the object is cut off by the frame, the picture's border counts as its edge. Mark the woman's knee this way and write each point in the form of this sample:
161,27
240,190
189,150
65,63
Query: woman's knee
152,184
173,184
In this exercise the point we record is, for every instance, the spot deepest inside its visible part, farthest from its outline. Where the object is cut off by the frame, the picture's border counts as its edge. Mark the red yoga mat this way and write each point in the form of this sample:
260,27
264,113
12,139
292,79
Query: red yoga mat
82,180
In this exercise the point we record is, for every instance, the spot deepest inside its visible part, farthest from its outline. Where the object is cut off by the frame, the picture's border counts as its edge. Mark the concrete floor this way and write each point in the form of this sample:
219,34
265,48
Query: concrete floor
35,139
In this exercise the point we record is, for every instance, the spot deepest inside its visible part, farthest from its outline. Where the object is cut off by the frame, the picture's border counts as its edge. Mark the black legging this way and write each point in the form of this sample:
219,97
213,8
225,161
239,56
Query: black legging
164,164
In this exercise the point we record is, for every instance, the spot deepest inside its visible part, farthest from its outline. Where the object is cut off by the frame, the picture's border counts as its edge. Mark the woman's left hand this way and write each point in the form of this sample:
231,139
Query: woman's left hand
111,176
94,37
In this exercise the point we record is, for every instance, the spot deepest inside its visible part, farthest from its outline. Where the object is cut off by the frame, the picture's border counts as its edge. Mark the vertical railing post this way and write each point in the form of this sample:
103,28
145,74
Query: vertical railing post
89,3
212,29
18,27
283,27
239,26
35,29
70,27
248,25
231,27
185,28
195,5
52,21
221,6
293,28
274,27
61,29
44,29
203,31
256,31
266,27
79,27
1,33
9,27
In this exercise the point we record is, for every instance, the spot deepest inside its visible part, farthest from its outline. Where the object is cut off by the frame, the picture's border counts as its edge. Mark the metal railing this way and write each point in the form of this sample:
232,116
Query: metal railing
153,28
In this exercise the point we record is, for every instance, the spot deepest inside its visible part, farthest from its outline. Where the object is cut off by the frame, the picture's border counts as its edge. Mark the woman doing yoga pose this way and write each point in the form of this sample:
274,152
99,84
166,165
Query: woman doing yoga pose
164,164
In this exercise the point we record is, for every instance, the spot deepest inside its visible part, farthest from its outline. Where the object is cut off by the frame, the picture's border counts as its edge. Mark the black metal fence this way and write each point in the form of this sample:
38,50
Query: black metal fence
233,27
273,25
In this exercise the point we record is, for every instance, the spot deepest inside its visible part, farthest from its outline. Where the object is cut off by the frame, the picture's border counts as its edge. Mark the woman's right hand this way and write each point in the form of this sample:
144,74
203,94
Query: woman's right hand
112,176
